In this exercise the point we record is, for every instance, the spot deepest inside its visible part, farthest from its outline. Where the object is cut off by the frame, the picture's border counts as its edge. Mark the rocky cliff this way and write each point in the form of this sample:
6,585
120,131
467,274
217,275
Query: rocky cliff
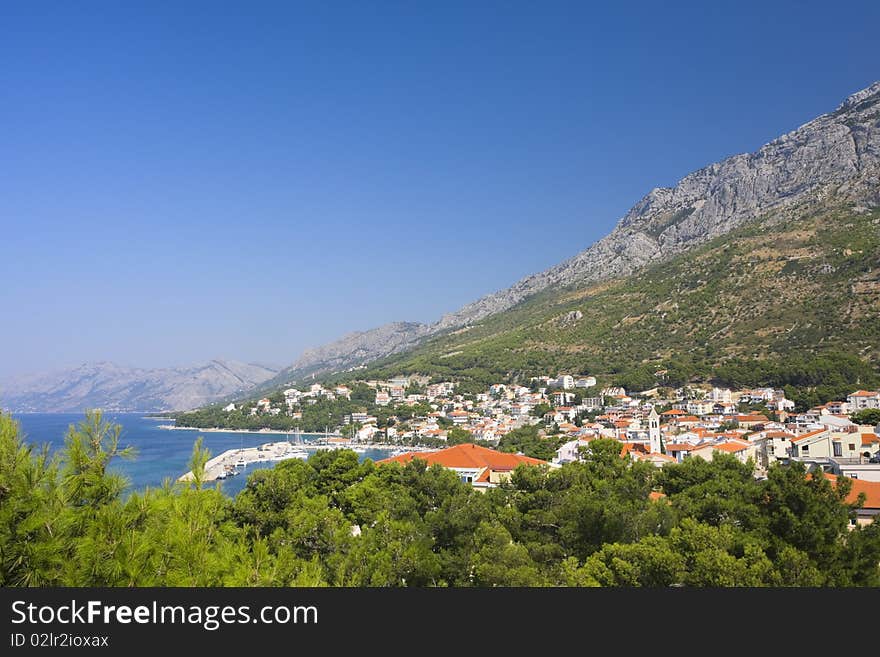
836,154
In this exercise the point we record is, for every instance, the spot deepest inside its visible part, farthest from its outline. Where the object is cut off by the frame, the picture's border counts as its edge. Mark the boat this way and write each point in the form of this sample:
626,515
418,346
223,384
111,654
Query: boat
241,463
222,475
293,454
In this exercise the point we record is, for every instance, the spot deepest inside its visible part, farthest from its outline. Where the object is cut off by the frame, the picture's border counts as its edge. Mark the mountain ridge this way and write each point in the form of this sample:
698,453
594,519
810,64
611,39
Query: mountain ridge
836,153
104,384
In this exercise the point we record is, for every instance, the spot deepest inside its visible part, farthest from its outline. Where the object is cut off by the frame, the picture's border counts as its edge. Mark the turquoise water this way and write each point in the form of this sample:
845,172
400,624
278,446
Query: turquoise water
161,453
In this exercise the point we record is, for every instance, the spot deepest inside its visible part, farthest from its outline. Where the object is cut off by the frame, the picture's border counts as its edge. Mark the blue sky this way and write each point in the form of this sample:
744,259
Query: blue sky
185,180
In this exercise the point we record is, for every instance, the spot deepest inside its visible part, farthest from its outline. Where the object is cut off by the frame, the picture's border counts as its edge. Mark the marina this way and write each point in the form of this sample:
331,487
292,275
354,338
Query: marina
234,462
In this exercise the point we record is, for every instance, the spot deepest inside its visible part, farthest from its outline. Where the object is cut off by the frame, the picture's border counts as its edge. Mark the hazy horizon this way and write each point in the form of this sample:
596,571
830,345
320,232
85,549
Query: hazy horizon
182,184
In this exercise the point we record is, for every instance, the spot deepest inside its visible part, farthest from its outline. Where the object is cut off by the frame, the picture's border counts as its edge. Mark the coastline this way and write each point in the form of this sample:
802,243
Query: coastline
171,427
234,460
341,444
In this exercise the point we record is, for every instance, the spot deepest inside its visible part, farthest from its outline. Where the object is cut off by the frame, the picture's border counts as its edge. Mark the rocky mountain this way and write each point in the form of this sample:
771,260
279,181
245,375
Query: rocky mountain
834,157
787,299
837,154
112,387
352,350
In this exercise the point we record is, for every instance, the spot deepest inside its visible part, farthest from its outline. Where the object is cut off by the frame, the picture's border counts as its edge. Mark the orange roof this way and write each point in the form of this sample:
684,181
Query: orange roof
779,434
731,447
656,495
871,489
755,417
656,456
687,418
467,455
870,438
680,447
864,393
809,434
674,411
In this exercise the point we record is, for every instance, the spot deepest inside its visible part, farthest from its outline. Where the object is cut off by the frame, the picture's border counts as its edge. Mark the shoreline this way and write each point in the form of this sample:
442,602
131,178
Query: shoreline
234,461
172,427
339,444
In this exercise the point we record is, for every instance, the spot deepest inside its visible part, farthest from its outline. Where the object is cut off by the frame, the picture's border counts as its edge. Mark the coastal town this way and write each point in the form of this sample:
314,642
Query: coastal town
568,411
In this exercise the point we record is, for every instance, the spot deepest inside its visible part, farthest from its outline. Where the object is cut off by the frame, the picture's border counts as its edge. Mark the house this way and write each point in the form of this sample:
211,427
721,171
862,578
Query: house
382,399
359,417
813,444
564,381
721,395
479,466
772,446
862,399
564,413
685,420
458,417
570,451
837,407
229,407
751,420
871,506
585,382
366,433
870,444
436,390
264,405
679,451
700,406
561,398
742,450
342,391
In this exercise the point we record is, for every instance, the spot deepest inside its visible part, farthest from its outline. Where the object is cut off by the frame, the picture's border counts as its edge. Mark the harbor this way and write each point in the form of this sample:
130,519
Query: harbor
234,462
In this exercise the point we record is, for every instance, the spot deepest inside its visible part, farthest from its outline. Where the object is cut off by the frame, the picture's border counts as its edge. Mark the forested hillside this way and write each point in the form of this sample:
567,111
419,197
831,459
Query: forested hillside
607,521
790,299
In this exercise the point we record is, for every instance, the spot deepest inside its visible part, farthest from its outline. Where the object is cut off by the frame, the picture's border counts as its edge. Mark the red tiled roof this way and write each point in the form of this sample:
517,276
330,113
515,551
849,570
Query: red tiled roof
676,447
757,417
467,456
871,489
731,447
809,434
674,411
779,434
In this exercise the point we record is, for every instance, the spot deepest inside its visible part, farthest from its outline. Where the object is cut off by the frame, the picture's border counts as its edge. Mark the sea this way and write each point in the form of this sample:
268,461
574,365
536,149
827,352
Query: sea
160,453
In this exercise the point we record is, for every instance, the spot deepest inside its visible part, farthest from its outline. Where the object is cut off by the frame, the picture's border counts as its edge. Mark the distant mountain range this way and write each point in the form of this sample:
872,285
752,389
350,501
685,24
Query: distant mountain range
112,387
827,168
836,155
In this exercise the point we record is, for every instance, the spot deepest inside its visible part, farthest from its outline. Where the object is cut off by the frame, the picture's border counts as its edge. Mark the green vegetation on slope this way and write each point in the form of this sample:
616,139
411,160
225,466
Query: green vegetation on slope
336,521
779,302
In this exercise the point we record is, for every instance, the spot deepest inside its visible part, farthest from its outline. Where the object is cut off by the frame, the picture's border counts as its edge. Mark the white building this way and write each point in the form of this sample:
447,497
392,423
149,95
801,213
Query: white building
564,381
722,395
862,399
